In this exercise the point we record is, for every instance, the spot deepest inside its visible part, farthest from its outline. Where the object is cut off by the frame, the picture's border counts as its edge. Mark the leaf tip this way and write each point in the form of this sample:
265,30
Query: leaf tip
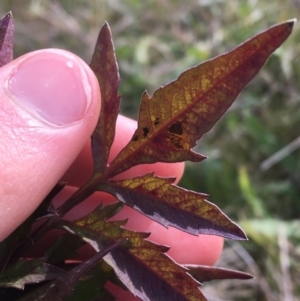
237,233
291,22
6,18
242,235
8,15
145,95
105,27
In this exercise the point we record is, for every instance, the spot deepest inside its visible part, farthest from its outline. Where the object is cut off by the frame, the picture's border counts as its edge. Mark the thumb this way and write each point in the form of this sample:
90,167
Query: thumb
49,106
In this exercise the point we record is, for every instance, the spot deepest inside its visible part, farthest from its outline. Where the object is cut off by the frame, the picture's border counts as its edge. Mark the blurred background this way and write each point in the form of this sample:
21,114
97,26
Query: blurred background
253,169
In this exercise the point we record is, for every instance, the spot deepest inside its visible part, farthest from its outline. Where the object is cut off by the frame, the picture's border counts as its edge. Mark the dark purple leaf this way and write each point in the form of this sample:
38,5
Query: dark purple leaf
141,265
105,66
7,33
208,273
174,206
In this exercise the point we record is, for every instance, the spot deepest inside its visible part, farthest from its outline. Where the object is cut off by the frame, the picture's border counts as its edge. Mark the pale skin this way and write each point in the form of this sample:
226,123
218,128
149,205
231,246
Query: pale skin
35,155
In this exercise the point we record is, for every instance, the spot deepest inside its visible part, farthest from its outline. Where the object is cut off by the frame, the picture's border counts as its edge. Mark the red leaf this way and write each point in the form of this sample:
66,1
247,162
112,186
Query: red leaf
7,33
105,66
141,265
207,273
178,114
174,206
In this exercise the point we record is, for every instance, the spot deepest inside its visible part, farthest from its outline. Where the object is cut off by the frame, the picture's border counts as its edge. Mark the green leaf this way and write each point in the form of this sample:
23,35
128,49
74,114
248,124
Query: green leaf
29,272
178,114
7,32
105,66
174,206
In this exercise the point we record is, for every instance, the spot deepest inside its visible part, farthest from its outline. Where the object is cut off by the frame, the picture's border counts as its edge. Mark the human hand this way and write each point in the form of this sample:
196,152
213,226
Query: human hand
50,104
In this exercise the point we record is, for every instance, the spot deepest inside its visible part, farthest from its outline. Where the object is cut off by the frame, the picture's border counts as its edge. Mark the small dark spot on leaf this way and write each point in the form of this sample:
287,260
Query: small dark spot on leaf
135,138
145,132
156,122
175,140
176,128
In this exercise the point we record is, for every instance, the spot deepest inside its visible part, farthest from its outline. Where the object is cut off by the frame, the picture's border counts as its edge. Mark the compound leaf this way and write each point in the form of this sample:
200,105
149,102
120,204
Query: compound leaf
169,125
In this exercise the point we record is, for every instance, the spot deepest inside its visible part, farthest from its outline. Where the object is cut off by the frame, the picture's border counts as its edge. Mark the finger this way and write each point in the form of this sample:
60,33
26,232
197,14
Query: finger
82,168
50,103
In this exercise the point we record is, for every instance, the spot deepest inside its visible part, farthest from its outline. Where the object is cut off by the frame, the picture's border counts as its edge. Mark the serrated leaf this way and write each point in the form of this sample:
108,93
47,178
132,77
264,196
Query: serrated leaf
29,272
208,273
178,114
7,32
141,265
104,65
174,206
